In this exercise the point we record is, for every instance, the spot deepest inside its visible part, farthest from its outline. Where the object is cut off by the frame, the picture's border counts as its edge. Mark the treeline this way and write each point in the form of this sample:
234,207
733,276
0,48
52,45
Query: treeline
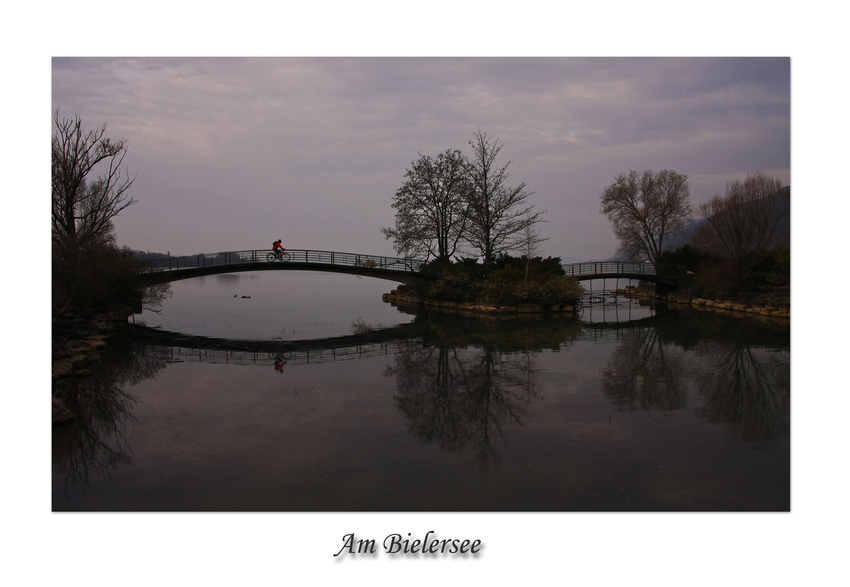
741,243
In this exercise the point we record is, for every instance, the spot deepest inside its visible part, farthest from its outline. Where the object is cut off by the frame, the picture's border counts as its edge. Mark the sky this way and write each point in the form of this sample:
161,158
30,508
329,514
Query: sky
234,153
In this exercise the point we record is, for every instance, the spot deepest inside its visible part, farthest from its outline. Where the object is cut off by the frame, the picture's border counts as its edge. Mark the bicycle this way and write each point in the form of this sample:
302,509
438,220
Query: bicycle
282,256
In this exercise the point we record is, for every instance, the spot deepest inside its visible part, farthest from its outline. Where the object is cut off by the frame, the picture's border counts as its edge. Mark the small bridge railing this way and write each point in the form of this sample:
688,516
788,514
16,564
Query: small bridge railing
393,264
297,257
610,267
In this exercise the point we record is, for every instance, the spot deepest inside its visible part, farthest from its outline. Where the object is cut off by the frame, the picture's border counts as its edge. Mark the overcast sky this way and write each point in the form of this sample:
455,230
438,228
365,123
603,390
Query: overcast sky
233,153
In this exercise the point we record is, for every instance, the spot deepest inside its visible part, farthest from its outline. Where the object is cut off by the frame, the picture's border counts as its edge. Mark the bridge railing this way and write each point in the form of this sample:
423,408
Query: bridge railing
610,267
297,256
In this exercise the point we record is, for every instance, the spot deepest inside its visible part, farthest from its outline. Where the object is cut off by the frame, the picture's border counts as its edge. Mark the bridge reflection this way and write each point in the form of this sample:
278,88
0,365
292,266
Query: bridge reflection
178,354
462,383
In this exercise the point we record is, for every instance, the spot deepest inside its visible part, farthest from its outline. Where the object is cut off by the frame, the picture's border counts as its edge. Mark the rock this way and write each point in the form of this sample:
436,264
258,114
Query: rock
61,414
63,368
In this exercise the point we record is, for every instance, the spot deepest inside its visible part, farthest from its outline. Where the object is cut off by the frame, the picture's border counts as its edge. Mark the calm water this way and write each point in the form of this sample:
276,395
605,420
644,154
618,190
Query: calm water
626,408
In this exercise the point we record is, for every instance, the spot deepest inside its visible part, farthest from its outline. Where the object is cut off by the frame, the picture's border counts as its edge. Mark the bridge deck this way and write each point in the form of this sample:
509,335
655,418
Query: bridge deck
402,270
186,267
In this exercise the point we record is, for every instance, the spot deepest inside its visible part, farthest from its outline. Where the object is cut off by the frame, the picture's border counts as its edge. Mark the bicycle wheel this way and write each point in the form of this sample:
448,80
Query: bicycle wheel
285,257
270,257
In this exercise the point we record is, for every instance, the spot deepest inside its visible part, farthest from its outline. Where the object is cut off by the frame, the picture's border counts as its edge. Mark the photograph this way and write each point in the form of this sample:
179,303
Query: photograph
485,284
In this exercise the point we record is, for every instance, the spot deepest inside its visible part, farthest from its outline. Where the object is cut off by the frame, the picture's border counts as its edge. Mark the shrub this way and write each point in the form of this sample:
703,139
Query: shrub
505,285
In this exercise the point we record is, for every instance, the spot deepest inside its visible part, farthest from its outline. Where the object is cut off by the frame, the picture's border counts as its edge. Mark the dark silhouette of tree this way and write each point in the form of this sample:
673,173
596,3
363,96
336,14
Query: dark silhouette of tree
645,208
498,214
529,244
83,207
746,223
431,207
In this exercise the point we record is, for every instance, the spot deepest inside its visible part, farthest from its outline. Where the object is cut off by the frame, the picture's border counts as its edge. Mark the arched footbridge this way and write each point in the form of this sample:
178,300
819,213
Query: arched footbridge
400,270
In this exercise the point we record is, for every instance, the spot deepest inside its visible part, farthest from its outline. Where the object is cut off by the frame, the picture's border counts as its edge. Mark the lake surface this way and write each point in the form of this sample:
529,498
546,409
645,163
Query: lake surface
313,395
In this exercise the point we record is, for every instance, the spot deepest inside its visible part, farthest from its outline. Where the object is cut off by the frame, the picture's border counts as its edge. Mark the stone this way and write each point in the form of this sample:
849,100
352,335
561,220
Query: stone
62,368
61,414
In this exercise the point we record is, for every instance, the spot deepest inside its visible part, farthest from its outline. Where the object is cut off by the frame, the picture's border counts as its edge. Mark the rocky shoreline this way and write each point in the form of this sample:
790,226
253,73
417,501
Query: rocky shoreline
759,306
397,298
77,340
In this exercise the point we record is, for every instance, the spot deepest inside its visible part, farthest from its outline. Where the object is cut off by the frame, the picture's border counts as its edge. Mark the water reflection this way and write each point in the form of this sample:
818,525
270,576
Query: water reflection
740,368
645,372
746,389
463,384
95,443
470,379
462,399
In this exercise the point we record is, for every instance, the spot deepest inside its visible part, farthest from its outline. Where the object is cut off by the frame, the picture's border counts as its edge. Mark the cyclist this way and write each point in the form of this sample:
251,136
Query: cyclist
276,246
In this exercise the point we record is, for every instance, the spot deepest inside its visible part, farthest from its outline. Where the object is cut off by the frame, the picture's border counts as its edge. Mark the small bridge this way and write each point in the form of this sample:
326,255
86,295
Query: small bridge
400,270
176,268
667,275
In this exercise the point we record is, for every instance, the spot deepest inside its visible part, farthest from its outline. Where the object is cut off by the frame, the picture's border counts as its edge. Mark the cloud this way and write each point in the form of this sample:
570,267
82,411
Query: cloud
317,146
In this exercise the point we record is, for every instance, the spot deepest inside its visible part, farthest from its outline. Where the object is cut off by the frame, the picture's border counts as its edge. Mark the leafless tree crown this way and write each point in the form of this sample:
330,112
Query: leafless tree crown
83,208
455,204
747,222
498,214
645,208
431,207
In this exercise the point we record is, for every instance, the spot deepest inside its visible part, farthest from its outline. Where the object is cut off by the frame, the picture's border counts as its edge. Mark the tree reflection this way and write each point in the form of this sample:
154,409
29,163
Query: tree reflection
744,385
645,372
96,443
463,399
748,389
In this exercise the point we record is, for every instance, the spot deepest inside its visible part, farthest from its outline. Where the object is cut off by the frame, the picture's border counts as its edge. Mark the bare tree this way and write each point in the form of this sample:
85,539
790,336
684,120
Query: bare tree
747,222
498,214
83,208
431,207
645,208
530,243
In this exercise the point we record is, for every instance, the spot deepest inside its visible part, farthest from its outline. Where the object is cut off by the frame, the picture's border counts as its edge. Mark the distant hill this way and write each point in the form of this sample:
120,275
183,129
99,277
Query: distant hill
147,255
